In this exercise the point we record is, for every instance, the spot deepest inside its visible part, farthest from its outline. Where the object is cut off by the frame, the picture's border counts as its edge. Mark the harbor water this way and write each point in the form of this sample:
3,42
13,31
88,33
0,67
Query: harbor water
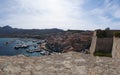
7,46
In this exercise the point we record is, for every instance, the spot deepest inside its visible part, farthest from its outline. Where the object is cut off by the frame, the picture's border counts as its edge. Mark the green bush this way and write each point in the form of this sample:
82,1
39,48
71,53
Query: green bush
102,54
101,34
117,34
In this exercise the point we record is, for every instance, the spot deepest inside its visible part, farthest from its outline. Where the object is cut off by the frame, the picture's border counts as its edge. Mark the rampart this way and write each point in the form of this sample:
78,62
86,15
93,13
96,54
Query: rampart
104,42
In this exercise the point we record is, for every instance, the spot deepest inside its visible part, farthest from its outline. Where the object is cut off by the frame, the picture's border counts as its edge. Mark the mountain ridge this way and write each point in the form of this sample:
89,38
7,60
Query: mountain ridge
8,31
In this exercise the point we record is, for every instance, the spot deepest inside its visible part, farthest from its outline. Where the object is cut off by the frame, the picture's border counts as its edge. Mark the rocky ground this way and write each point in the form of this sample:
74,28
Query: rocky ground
71,63
78,41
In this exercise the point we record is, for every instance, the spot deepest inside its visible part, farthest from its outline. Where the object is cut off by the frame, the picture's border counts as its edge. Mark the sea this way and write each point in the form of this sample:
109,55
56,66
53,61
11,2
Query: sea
7,46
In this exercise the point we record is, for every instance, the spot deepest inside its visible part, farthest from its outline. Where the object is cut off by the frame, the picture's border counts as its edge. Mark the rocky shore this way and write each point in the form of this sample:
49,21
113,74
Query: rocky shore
71,63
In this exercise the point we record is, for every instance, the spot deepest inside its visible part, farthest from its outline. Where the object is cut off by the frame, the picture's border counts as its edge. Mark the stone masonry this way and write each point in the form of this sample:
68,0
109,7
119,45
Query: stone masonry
71,63
109,44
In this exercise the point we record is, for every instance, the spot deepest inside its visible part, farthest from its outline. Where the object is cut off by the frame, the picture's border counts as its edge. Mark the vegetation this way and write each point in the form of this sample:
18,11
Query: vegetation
101,34
107,28
102,54
75,31
117,34
40,36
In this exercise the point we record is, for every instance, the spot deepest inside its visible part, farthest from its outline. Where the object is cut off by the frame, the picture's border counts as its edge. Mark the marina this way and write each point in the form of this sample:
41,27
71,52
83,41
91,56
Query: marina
22,46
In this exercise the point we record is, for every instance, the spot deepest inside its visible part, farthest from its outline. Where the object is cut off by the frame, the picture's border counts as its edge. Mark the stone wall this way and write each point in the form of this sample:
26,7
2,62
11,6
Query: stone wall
93,43
104,45
116,48
71,63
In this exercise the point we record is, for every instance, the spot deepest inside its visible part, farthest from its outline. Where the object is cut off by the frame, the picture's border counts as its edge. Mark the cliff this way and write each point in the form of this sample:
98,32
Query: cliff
70,63
70,40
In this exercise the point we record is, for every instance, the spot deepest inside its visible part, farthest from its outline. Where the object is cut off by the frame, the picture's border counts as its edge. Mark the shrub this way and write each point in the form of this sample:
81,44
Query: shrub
101,34
117,34
102,54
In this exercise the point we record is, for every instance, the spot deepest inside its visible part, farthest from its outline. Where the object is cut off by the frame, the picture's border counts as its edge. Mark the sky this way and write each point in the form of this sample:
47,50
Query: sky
63,14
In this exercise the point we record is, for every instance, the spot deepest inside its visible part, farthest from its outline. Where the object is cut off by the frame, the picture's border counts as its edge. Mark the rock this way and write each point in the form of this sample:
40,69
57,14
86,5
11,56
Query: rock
80,70
28,67
14,69
67,64
1,72
69,41
71,63
79,60
25,73
38,67
39,73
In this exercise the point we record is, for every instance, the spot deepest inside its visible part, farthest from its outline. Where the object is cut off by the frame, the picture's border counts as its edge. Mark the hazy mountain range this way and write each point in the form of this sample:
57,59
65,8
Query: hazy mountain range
8,31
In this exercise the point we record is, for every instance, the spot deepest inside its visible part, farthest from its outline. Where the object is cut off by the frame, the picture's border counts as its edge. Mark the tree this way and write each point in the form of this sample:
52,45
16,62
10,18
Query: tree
107,28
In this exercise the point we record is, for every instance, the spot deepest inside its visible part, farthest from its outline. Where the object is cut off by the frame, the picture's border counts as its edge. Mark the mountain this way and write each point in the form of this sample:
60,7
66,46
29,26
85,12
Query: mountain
8,31
7,27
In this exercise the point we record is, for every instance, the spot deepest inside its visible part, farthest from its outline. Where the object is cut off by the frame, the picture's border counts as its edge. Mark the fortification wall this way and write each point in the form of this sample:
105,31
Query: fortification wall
101,44
116,48
93,43
104,45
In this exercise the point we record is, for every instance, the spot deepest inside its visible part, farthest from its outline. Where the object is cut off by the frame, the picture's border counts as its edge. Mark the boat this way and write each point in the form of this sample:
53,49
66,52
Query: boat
33,50
21,46
41,41
45,53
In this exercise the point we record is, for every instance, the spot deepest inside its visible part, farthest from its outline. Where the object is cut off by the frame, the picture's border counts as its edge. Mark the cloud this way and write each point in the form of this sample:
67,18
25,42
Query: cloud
106,14
46,14
65,14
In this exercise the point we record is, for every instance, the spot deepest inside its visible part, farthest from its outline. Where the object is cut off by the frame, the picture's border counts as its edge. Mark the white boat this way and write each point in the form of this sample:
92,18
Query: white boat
21,46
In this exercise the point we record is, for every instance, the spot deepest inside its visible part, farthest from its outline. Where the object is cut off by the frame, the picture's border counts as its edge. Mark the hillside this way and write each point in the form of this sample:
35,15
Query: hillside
71,40
8,31
71,63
